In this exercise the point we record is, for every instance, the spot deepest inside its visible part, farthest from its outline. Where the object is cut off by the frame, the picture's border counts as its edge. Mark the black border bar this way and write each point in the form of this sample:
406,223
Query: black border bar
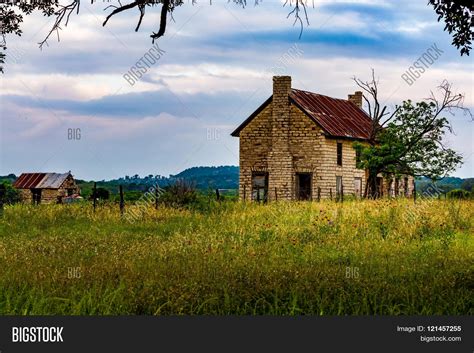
243,334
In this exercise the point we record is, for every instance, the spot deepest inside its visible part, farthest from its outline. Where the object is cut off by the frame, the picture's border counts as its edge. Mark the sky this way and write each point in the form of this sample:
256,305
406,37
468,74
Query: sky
69,107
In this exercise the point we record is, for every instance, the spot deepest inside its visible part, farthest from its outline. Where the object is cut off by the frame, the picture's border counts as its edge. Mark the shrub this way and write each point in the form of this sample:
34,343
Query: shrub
8,194
468,184
458,194
181,193
131,196
101,194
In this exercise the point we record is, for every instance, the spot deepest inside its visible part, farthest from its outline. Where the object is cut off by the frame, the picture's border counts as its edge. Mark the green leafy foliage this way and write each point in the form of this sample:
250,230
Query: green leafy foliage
8,194
457,15
101,193
459,194
181,193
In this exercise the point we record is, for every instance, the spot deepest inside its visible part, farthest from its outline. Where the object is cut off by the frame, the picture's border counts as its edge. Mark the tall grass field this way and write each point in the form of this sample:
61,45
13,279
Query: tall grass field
310,258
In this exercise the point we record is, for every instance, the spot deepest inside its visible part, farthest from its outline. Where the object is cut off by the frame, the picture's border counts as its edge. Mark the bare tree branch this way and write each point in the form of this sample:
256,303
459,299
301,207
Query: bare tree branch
376,111
298,6
63,12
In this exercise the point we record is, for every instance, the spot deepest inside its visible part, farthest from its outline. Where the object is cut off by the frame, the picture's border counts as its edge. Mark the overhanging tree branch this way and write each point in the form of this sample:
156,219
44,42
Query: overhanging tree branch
164,14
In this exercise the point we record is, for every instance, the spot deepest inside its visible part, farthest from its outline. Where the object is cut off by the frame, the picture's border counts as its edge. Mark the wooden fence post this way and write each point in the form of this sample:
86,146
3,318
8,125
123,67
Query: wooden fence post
94,194
122,203
218,196
3,191
319,194
414,191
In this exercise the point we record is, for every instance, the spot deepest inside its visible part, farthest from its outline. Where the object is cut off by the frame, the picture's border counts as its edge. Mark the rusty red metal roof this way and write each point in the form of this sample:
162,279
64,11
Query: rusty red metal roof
40,180
337,117
28,180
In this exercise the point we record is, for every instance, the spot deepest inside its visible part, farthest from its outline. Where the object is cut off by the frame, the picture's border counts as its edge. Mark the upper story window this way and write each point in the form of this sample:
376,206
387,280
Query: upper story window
358,156
339,153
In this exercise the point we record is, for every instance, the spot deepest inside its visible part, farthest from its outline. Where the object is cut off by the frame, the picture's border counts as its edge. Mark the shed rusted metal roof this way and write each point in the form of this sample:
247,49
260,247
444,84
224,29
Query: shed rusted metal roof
40,180
337,117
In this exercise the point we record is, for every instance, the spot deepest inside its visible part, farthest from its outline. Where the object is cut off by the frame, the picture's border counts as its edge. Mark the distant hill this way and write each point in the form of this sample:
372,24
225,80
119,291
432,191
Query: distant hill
204,178
223,177
445,184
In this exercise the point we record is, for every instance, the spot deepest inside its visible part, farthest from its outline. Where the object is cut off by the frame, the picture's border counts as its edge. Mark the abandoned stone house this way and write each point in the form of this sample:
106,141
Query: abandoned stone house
298,146
39,188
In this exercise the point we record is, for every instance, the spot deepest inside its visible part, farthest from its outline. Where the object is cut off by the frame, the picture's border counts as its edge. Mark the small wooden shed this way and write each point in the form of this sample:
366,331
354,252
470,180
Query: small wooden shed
39,188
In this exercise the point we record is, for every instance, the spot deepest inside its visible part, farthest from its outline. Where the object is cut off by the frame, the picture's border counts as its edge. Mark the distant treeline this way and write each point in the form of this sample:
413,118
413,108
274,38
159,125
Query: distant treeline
446,184
211,178
202,178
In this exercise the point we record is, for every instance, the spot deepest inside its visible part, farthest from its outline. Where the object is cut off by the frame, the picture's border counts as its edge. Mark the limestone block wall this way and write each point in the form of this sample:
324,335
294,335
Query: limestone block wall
51,195
306,139
329,170
69,183
26,195
47,195
254,147
405,186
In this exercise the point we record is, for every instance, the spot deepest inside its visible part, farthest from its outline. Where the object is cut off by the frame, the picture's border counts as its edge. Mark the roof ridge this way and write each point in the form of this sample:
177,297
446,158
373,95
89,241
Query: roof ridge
44,173
319,94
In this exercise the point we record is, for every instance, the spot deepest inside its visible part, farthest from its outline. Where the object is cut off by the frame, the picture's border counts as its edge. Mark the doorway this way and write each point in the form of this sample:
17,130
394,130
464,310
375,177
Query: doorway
303,186
358,187
379,186
260,186
36,196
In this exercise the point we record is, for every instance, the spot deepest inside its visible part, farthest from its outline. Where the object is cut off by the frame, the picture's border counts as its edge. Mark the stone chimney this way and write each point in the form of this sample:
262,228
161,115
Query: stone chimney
281,110
356,98
280,161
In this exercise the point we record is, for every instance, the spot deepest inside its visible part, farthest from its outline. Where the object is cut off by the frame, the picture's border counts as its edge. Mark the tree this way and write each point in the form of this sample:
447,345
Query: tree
409,140
8,194
457,15
11,20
